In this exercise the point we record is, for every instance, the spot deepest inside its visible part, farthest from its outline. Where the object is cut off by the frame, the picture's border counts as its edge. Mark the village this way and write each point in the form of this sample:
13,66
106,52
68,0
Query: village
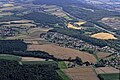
13,28
70,42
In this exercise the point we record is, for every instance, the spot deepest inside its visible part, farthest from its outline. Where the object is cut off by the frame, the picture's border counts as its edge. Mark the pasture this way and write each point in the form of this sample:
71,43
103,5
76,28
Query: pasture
10,57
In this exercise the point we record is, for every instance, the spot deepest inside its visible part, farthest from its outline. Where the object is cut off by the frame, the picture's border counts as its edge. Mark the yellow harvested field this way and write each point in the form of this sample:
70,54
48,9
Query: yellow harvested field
103,55
21,25
32,30
17,21
80,23
10,8
103,36
32,59
6,13
63,53
60,14
8,5
72,26
104,70
22,21
81,73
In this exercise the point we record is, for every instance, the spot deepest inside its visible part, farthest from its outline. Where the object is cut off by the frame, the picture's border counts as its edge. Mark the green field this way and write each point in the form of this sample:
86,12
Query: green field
38,62
10,57
114,76
63,75
62,65
68,18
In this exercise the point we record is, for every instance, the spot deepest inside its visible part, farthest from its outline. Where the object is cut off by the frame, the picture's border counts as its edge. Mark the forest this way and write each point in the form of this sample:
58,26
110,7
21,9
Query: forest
43,18
12,70
89,15
12,45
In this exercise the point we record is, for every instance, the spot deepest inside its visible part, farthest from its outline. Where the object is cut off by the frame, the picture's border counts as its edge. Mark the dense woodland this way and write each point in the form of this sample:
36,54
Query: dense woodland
97,14
102,25
12,45
12,70
43,18
117,32
54,2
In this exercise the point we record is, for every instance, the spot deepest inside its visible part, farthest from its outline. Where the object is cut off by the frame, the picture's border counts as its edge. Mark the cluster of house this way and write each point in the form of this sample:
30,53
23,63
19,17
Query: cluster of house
70,42
7,32
12,28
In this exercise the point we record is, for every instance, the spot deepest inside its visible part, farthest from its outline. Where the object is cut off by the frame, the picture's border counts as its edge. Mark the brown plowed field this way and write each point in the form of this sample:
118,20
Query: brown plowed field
103,70
63,53
81,73
102,55
32,59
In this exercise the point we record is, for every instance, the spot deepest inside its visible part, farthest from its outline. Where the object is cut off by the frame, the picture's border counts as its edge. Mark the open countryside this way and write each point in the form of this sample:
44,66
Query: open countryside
63,53
59,39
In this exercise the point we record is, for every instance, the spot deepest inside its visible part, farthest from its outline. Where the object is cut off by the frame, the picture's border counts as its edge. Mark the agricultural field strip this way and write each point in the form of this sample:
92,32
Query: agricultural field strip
106,70
83,73
102,55
63,53
31,59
